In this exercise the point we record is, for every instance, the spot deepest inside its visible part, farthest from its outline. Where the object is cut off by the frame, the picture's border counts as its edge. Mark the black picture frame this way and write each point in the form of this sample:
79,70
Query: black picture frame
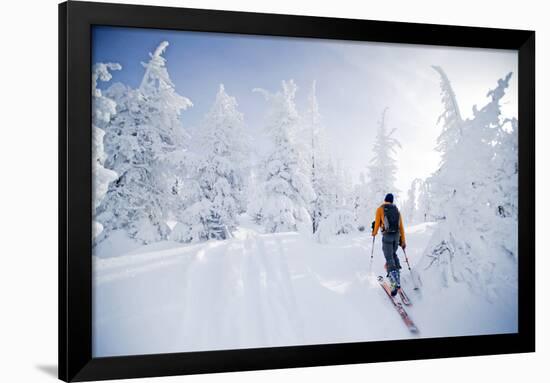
75,184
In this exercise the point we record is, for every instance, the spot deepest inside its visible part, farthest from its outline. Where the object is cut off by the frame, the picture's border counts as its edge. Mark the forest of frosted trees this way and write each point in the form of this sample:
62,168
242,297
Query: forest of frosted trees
155,181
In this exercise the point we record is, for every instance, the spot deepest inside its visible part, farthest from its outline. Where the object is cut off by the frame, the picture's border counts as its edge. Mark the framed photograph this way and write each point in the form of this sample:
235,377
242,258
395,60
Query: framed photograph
245,191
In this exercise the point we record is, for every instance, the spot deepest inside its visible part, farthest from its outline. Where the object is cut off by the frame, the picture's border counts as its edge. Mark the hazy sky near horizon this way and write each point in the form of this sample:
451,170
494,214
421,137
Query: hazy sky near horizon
355,82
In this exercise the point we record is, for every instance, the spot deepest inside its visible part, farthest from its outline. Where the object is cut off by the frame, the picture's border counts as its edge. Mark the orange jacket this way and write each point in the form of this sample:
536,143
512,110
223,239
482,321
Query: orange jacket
379,223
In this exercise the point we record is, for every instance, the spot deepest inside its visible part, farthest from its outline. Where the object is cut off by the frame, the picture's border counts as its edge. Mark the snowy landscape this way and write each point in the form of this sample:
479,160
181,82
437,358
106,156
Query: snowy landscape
227,231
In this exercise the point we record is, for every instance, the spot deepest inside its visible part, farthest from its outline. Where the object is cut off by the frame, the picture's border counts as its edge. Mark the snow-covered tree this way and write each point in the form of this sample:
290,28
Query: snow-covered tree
342,185
220,174
317,159
409,208
337,202
452,126
425,212
473,236
450,118
103,109
337,222
141,143
286,185
383,167
506,159
363,218
504,201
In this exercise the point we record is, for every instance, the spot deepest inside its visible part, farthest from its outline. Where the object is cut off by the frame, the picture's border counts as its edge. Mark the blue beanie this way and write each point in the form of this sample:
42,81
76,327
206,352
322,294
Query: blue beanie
389,198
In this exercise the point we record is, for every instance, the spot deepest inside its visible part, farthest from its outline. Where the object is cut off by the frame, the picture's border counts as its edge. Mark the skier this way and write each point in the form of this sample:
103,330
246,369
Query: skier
389,220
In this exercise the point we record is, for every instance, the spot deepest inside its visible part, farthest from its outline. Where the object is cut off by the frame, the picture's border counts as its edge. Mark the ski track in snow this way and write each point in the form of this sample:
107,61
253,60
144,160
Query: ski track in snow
266,290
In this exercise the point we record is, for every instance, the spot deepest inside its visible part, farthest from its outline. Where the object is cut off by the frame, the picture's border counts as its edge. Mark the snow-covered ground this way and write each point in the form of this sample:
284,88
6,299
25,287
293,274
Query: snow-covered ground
265,290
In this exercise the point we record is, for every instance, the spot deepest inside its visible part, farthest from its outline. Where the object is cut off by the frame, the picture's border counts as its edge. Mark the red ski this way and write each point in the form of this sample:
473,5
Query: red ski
404,297
398,306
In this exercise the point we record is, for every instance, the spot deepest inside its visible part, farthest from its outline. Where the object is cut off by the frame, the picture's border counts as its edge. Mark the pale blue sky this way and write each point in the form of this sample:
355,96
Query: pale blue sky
355,81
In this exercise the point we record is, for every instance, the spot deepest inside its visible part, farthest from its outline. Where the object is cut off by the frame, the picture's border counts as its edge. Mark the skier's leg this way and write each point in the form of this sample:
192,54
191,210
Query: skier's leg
397,262
387,249
396,247
397,275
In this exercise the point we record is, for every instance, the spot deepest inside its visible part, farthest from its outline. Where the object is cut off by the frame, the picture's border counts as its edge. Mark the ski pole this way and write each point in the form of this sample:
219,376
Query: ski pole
407,260
371,254
373,238
414,279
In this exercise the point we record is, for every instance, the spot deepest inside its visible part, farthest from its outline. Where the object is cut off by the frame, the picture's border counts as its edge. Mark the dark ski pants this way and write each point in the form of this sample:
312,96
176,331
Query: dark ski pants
390,244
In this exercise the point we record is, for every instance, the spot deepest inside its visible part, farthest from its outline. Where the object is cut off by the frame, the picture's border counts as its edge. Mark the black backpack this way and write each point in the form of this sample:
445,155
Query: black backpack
391,218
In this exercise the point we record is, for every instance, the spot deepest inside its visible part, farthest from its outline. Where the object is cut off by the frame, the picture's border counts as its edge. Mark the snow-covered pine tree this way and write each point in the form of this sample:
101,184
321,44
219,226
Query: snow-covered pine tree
330,179
103,109
383,167
424,203
343,186
409,208
219,175
468,242
339,202
286,180
452,126
363,218
450,119
340,221
141,143
505,186
315,145
499,179
333,192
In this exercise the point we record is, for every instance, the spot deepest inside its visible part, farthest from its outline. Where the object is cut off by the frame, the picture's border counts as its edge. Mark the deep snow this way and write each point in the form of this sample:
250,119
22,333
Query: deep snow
265,290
